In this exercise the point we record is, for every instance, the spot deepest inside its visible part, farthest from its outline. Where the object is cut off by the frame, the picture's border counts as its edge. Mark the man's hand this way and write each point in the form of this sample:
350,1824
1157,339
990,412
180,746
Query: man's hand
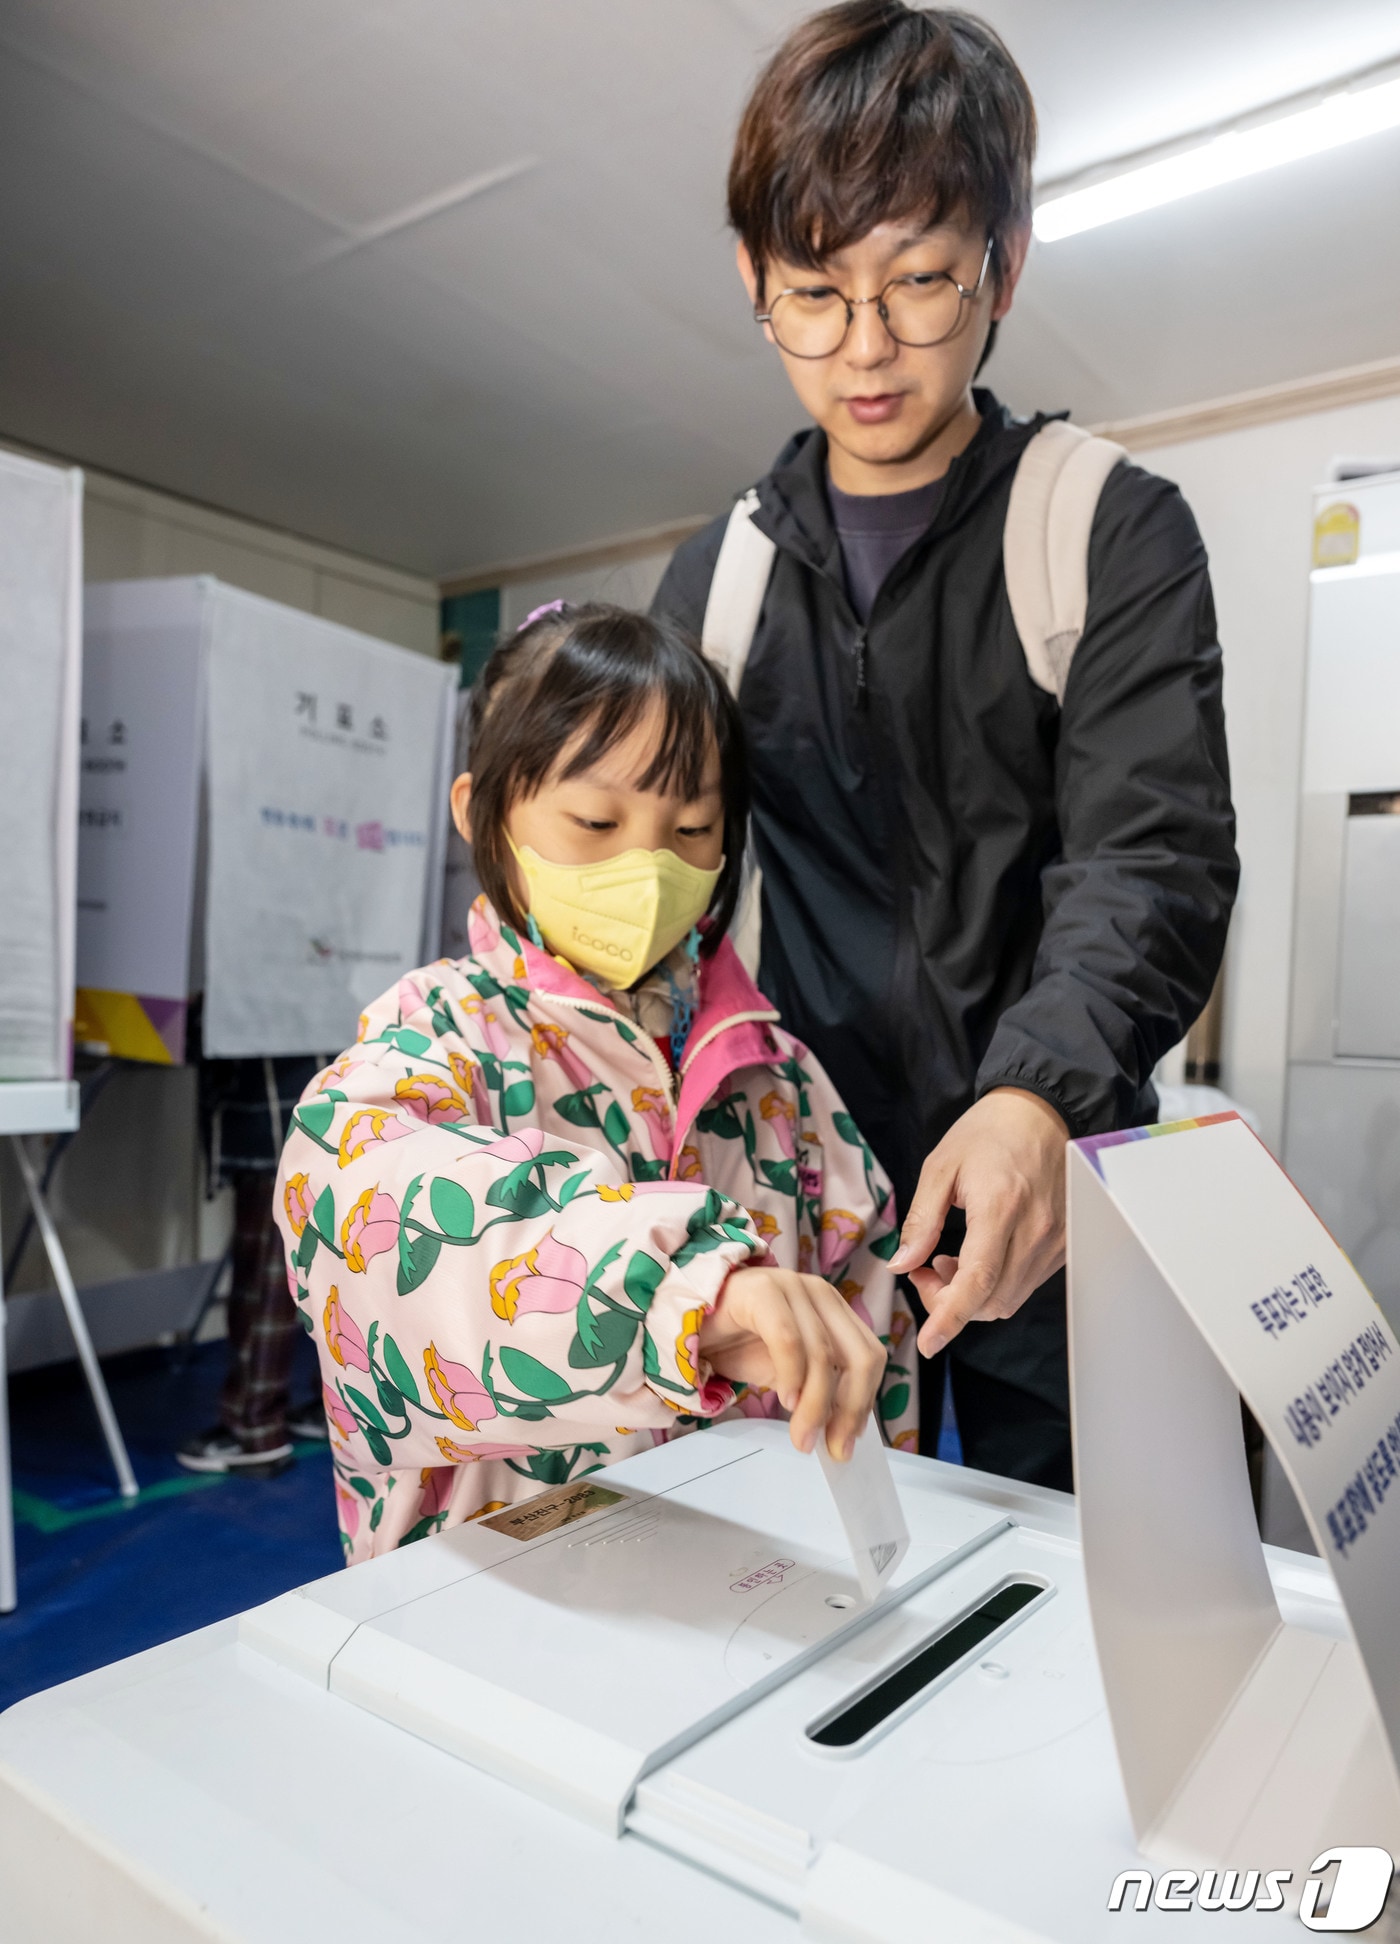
1003,1164
794,1334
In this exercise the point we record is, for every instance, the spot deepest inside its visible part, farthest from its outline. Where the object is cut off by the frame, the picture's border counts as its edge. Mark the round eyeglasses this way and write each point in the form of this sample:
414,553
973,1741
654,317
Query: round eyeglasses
813,321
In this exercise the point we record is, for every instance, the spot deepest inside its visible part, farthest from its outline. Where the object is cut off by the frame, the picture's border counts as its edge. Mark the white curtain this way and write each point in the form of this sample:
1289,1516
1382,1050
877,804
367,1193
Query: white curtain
40,676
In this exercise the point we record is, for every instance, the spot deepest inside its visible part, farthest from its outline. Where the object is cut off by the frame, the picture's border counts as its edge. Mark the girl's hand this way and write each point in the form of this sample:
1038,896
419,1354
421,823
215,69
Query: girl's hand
778,1330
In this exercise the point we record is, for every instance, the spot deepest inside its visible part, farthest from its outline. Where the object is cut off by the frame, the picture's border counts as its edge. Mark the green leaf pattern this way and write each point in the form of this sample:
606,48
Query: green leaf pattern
507,1297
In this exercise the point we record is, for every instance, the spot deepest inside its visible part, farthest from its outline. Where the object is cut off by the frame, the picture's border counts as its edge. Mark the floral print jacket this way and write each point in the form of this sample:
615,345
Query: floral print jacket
505,1222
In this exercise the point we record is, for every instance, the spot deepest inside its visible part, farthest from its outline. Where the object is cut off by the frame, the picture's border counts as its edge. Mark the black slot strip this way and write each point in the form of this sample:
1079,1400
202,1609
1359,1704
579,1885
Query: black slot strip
877,1704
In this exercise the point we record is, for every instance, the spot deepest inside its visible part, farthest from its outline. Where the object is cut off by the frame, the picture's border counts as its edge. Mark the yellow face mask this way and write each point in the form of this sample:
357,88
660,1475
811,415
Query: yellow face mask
619,918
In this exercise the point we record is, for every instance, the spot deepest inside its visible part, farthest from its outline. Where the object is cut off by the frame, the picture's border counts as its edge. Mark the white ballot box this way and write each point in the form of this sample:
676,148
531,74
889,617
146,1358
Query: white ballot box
263,820
40,674
658,1692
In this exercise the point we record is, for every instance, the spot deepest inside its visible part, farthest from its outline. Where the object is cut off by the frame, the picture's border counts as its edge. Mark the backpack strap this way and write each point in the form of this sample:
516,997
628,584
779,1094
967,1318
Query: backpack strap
1045,555
737,589
735,601
1045,544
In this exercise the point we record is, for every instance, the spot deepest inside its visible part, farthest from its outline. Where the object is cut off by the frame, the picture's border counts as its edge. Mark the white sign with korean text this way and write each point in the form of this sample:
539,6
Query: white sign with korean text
327,776
40,663
1198,1274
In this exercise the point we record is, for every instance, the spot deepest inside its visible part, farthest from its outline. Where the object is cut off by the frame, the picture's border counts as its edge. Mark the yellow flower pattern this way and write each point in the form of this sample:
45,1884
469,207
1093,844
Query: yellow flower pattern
470,1375
296,1203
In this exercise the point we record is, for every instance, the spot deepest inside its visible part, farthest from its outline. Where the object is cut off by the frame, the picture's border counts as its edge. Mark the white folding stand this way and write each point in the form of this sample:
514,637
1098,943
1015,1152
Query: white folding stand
1199,1274
47,1107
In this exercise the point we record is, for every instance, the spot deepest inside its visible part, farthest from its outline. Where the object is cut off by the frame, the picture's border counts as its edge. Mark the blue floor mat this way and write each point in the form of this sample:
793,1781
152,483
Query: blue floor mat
99,1577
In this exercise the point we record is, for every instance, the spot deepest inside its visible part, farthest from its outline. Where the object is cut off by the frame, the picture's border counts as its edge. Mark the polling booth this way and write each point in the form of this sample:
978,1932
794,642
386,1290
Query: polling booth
262,820
40,676
1342,1134
257,796
721,1685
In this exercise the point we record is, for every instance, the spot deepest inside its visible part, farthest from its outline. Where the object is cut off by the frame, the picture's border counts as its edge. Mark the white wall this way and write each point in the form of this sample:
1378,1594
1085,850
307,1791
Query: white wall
1251,492
133,533
629,583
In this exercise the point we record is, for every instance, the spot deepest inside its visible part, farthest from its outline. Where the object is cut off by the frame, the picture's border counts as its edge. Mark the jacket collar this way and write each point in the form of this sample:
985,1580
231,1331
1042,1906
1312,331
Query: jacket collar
795,513
730,1032
732,1017
726,992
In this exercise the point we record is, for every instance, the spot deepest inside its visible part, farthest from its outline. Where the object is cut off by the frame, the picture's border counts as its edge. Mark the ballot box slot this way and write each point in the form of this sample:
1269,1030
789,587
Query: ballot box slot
859,1717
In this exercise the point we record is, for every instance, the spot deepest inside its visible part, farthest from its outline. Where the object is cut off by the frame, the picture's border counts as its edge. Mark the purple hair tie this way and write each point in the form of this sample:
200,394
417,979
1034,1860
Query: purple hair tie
537,614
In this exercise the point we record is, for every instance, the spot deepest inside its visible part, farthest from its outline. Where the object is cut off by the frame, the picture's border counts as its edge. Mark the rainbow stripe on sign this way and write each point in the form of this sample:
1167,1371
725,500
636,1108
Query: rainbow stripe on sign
1091,1143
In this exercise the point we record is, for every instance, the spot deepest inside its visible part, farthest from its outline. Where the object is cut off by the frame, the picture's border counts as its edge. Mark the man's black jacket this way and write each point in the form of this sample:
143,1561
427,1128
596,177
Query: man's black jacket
964,885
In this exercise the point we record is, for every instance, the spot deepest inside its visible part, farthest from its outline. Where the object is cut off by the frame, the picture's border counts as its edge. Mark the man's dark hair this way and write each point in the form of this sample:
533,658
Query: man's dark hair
872,111
574,682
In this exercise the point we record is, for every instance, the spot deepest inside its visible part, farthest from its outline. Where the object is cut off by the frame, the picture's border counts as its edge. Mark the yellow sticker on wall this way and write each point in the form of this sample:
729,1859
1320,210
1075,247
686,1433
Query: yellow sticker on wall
1336,535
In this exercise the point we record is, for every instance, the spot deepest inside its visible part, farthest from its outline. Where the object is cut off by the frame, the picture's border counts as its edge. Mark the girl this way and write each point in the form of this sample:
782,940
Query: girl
578,1191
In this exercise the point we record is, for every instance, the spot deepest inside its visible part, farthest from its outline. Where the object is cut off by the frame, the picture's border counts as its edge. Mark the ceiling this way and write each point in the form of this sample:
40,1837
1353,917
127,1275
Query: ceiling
224,271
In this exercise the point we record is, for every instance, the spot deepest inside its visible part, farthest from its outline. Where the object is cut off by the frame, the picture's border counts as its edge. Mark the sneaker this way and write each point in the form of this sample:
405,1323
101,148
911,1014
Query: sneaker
307,1421
218,1450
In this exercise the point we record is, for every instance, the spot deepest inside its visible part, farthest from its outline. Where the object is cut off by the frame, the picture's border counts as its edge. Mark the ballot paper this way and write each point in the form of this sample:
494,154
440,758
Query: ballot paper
868,1506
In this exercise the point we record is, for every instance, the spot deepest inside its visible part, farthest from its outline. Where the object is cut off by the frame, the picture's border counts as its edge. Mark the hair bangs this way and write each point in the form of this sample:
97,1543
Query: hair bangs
628,678
557,697
873,112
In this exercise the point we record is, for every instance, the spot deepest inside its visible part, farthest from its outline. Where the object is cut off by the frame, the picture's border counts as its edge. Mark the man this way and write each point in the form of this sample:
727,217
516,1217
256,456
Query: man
988,915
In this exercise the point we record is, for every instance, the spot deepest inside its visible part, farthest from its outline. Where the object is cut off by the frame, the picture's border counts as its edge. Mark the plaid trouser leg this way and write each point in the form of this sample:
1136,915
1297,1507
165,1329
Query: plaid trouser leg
263,1325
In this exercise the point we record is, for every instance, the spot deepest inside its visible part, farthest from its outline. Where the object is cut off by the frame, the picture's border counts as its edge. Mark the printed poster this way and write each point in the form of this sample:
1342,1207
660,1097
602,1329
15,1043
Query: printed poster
327,760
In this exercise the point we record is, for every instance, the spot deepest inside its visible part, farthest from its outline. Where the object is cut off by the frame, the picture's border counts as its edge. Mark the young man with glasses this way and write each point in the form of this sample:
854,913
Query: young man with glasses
988,913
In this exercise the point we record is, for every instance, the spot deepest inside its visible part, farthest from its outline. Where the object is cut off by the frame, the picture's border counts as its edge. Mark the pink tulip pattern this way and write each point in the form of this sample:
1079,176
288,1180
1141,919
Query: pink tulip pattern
457,1391
472,1082
430,1098
338,1417
465,1369
547,1279
343,1337
369,1127
482,1454
551,1042
781,1116
371,1228
296,1203
842,1232
347,1504
655,1109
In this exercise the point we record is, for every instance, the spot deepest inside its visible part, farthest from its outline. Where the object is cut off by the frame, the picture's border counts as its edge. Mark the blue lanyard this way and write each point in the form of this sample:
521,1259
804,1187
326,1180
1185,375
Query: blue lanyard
683,1003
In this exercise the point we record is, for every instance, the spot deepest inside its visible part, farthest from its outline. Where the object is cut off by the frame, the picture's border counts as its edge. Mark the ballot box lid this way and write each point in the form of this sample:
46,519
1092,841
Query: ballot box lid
573,1643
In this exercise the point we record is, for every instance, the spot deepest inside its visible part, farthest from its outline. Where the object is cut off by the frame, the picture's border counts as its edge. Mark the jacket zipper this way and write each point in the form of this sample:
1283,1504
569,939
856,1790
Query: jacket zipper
862,687
658,1059
602,1010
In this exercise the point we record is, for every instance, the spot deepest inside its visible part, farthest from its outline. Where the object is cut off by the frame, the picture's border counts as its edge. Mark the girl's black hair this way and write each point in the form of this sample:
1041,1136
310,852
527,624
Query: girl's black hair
580,679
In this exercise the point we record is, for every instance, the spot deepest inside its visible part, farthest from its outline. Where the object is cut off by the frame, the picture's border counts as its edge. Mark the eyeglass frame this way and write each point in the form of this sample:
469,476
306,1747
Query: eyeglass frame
965,295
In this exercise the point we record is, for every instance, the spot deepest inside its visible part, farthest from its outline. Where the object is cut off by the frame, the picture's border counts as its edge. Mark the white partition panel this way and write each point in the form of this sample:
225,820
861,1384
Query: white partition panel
263,820
327,755
40,673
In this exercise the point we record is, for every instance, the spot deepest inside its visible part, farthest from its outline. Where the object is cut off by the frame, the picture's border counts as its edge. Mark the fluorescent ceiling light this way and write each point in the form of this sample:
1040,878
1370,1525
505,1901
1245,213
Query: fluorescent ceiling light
1284,134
